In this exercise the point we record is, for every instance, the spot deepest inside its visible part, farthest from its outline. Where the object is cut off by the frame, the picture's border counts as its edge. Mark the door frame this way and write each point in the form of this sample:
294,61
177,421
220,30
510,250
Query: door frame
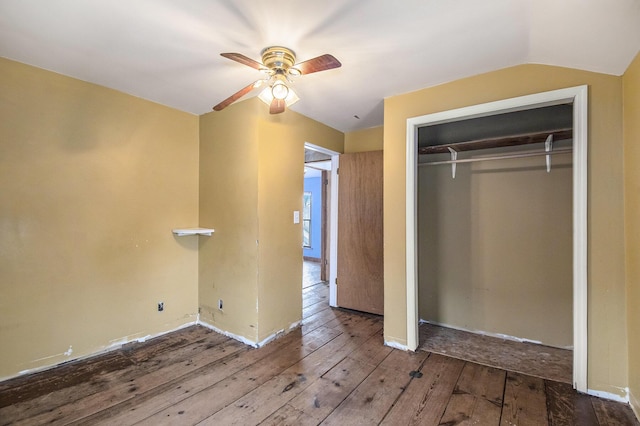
332,220
576,95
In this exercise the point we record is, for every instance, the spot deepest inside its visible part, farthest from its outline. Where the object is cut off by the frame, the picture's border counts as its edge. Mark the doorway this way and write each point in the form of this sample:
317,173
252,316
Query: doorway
325,162
578,97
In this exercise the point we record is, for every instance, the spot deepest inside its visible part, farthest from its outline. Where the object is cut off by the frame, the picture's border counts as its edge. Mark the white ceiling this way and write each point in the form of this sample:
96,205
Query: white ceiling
168,51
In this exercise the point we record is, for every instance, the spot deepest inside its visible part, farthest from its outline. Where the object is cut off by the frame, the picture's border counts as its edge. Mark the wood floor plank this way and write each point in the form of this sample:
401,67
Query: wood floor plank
150,403
317,307
481,381
22,389
225,392
477,397
567,407
319,399
525,402
373,351
612,413
320,318
122,391
42,383
288,416
46,406
310,301
344,322
370,402
466,409
141,351
321,287
260,403
159,398
426,398
313,298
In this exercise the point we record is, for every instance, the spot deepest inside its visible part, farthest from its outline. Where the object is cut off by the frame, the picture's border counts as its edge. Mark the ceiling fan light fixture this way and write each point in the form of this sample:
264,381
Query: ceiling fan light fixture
267,97
279,90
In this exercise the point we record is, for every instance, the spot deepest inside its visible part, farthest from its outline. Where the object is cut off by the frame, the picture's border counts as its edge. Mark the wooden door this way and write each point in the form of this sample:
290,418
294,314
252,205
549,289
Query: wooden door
360,284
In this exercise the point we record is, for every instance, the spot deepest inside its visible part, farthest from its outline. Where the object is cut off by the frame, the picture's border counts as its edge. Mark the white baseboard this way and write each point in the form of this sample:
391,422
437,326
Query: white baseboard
237,337
396,345
246,341
280,333
610,396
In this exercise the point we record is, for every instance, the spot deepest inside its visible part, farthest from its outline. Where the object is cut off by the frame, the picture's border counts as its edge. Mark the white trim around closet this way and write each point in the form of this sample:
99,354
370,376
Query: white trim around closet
577,96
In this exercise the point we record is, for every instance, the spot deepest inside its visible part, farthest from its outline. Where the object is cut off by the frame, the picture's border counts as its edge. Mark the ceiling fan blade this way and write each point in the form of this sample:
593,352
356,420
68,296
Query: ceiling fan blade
320,63
239,57
277,106
240,93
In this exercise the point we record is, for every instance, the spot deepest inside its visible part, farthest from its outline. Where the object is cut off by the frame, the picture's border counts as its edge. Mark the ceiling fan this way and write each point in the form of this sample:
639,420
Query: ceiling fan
279,63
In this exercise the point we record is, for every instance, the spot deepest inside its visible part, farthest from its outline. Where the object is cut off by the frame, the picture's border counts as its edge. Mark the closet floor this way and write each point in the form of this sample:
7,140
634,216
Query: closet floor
528,358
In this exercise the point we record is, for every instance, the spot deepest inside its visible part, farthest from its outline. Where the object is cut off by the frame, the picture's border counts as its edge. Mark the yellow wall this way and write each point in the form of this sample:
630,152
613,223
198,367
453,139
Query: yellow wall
92,182
631,84
495,246
281,186
364,140
607,368
228,266
252,167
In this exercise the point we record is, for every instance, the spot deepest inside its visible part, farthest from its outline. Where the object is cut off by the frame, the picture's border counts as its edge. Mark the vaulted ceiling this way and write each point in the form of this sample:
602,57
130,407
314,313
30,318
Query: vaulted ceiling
168,51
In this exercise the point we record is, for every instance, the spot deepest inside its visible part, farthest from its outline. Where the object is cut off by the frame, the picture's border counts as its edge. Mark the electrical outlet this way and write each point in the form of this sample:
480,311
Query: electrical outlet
160,306
220,304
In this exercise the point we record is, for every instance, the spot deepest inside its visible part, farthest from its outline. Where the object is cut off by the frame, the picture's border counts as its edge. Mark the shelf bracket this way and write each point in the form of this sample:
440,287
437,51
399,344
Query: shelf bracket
548,147
454,157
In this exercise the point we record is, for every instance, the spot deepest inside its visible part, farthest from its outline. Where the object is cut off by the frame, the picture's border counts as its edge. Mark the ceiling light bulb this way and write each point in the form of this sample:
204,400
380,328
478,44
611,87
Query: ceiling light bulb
279,90
266,96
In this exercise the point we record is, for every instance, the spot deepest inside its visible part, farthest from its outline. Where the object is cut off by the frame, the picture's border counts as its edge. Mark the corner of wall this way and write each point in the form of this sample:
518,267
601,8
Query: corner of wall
370,139
631,109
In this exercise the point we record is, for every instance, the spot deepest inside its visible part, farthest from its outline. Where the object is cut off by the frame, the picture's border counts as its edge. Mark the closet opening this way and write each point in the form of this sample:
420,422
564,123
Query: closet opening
494,217
496,224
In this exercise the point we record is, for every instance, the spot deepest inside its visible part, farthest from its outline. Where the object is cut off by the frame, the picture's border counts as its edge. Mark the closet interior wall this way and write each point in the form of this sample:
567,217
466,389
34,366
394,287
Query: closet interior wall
495,245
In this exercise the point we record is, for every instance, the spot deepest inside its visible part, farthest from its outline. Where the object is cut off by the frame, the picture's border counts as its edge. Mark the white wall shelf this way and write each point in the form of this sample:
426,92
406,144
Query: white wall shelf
193,231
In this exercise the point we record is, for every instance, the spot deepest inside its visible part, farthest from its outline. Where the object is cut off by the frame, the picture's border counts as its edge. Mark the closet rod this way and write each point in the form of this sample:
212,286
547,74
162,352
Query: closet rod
498,157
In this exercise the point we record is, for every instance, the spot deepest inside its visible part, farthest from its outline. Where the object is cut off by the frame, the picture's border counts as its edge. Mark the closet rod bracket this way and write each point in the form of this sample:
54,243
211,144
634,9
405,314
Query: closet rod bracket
548,147
454,157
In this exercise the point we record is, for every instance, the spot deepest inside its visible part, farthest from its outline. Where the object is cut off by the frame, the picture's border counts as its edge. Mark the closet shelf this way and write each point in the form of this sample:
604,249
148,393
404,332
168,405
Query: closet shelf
193,231
522,139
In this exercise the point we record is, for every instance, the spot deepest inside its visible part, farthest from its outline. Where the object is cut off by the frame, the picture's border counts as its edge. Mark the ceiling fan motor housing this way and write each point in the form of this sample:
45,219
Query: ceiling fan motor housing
278,58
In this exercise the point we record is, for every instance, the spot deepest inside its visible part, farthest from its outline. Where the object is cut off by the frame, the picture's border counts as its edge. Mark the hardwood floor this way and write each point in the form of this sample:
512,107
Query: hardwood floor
310,273
333,370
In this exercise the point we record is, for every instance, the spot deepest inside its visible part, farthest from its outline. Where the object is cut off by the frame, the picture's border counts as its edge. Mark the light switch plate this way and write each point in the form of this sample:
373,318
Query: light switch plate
296,216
